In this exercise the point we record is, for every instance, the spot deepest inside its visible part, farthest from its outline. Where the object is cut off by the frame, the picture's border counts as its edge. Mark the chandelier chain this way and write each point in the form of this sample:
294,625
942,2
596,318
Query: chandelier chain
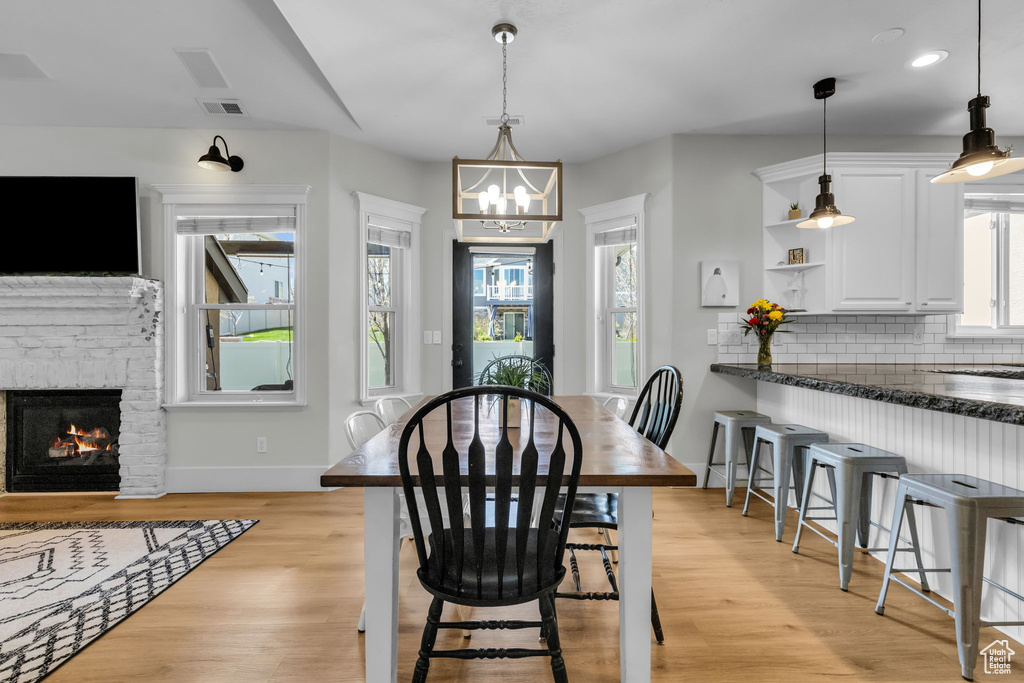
504,78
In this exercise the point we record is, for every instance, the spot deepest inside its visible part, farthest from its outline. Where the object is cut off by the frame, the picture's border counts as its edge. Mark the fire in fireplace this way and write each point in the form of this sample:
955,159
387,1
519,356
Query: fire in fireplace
63,440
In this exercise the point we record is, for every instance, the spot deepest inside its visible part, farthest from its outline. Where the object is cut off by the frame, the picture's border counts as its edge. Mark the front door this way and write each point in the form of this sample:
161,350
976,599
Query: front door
502,305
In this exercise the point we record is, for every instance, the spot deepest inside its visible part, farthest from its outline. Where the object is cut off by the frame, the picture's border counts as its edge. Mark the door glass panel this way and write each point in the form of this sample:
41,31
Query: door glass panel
977,270
502,307
1015,276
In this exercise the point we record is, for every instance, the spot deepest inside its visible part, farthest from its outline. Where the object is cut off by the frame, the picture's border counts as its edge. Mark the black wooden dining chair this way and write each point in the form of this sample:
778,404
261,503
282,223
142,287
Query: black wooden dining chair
503,557
654,416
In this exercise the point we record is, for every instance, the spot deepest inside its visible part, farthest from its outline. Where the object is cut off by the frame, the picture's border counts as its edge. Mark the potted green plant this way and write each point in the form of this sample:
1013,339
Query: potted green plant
519,373
794,211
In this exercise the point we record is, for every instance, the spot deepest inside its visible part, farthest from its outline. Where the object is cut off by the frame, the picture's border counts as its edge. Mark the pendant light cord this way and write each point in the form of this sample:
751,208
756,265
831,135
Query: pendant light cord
504,77
824,137
979,48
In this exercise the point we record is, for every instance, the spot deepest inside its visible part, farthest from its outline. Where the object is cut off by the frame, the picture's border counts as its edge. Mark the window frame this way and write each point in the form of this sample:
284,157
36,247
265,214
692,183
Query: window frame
600,294
989,199
184,267
395,215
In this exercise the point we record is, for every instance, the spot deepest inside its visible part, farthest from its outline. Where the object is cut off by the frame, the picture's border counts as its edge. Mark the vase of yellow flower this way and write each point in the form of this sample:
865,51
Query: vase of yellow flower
764,319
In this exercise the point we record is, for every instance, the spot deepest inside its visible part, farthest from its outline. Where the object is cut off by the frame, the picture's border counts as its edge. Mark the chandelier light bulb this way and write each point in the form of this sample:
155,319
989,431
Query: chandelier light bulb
494,191
484,200
825,222
980,169
502,204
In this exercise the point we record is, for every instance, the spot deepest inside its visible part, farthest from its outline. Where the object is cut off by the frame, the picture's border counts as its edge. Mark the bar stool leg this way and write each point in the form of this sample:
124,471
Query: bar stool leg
780,472
711,455
967,551
899,509
800,455
849,484
753,460
912,521
730,462
864,520
805,502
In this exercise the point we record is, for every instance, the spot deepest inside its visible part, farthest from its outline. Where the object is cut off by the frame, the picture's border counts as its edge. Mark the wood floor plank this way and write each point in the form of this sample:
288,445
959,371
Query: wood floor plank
280,603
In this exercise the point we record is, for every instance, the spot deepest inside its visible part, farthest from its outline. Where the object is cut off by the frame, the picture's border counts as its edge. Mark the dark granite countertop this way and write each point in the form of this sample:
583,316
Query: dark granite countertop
943,388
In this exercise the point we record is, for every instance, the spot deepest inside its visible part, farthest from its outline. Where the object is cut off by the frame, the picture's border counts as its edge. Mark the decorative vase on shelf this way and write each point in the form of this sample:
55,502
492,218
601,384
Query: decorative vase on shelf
764,319
764,353
795,214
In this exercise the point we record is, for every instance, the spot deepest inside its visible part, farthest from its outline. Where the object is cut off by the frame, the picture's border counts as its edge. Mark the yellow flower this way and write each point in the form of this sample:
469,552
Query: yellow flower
762,304
775,315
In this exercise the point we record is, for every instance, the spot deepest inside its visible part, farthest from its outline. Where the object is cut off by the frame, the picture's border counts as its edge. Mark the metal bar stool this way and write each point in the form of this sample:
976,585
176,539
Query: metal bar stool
788,445
739,438
853,465
969,503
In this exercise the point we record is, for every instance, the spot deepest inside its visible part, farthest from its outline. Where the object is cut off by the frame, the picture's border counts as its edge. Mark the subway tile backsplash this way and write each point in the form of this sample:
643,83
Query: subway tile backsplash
864,339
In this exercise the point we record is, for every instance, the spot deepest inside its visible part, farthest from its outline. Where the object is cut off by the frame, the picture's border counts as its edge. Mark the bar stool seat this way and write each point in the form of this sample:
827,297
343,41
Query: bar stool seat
739,439
852,467
788,443
969,503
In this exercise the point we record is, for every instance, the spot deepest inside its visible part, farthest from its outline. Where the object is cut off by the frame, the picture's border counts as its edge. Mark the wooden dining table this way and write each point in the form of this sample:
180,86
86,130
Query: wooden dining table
616,459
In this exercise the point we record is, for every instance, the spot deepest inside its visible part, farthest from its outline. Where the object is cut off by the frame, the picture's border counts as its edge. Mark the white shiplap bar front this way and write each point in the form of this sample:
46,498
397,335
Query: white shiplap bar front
930,441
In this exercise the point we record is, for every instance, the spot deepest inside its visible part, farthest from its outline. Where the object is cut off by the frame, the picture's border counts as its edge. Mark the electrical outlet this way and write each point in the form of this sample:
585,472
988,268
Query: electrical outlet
918,335
712,337
426,336
437,336
261,444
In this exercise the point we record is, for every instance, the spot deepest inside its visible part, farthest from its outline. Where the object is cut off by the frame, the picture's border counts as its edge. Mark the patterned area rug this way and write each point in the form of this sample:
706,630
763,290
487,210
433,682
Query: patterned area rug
62,585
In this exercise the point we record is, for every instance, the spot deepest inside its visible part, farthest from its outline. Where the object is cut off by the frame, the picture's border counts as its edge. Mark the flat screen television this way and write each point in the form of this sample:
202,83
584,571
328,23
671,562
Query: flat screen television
71,225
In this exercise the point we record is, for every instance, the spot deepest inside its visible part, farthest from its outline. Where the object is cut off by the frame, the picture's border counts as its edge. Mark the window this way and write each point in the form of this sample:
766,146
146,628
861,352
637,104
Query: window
235,272
389,248
614,297
993,266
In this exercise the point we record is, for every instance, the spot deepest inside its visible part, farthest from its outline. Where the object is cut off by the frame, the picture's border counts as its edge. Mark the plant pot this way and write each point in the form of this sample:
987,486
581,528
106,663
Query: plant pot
515,413
794,214
764,353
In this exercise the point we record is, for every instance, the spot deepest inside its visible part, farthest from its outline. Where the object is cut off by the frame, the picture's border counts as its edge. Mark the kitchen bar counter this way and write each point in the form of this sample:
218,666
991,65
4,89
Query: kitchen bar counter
926,386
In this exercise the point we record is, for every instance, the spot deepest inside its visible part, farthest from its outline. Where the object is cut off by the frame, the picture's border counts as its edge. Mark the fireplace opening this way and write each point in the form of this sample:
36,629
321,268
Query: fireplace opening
63,440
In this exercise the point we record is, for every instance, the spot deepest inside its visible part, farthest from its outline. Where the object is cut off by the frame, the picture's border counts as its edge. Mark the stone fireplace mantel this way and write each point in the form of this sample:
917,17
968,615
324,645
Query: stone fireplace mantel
93,333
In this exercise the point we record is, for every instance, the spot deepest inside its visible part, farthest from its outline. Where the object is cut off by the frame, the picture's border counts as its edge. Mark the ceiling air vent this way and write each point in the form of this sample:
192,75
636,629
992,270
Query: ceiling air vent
220,107
512,120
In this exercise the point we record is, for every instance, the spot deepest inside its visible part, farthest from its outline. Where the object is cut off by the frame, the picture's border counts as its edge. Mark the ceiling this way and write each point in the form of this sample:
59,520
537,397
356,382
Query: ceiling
589,76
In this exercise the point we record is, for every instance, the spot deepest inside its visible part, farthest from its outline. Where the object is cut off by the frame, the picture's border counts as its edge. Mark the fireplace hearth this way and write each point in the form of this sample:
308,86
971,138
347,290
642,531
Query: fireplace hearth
63,440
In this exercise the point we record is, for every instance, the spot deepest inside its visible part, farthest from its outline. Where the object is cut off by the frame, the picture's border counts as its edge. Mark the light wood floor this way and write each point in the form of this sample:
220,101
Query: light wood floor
280,603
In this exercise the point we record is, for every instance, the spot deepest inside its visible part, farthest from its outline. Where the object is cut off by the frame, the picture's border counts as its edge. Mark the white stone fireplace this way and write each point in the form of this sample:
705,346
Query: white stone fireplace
93,333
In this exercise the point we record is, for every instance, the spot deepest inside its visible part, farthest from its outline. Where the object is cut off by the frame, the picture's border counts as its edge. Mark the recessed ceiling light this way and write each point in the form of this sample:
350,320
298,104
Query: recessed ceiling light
888,35
929,58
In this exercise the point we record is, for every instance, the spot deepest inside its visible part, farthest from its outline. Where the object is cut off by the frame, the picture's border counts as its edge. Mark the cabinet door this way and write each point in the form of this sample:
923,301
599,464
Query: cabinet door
873,258
940,245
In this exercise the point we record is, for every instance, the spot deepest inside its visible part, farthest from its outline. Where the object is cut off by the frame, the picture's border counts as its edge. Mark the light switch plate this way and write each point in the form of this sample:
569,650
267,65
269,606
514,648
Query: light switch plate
426,336
437,336
712,337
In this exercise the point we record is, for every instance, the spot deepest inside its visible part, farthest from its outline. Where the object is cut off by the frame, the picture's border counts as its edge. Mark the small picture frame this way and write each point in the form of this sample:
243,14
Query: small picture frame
798,255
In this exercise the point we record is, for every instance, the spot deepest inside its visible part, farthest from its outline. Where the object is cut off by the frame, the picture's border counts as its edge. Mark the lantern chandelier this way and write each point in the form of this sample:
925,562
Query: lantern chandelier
503,191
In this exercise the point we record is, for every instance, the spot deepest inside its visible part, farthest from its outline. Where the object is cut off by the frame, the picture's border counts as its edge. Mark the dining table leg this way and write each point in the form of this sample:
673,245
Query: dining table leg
381,520
635,547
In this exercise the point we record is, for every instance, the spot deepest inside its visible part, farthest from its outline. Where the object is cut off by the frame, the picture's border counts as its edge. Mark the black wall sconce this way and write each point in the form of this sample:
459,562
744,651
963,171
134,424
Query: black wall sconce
213,161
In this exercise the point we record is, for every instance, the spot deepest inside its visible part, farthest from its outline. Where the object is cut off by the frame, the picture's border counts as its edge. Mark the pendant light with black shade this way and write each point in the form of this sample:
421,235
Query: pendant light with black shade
825,213
981,157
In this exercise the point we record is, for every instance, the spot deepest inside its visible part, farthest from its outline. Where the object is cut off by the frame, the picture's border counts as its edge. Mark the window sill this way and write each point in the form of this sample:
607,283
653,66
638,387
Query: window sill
234,405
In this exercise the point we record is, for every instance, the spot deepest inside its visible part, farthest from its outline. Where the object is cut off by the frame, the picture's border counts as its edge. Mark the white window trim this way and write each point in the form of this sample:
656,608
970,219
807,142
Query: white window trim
403,216
601,218
996,194
182,335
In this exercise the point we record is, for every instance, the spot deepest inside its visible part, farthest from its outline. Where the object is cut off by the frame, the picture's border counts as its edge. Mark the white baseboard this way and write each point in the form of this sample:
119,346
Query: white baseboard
243,479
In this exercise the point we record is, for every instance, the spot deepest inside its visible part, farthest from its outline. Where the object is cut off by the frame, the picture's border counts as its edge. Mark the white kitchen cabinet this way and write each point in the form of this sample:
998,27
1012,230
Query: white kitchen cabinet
872,259
902,254
940,245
